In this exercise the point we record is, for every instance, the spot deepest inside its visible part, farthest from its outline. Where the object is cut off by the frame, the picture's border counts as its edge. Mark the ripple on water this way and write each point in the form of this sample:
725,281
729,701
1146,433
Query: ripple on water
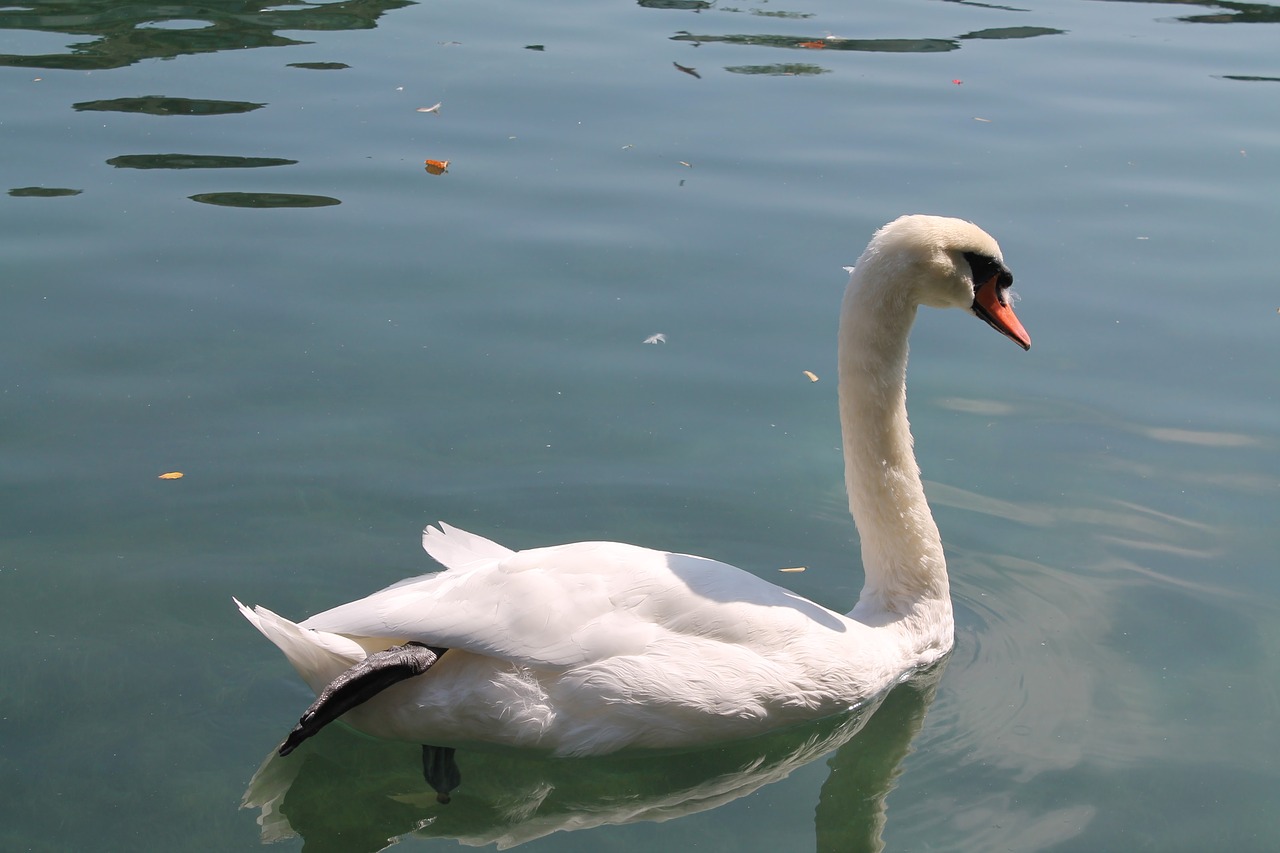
1022,693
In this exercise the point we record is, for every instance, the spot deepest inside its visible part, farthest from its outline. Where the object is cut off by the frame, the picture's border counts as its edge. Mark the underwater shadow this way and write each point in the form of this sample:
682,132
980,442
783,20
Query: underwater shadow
341,791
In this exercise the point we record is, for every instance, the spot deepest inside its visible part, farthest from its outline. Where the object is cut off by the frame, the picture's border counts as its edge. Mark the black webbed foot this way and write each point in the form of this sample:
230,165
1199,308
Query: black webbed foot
360,683
440,770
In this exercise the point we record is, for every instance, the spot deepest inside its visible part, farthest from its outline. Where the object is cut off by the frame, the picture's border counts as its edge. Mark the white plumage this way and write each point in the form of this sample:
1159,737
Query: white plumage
592,647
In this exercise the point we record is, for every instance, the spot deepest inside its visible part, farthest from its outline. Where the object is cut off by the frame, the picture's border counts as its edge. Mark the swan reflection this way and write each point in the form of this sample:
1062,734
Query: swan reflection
343,791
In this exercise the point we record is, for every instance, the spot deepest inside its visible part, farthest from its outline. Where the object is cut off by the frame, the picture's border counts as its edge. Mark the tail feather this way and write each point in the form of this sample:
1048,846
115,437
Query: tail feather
318,656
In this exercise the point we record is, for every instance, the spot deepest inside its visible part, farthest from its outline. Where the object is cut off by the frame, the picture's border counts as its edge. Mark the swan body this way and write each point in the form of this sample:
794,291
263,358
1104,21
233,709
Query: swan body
593,647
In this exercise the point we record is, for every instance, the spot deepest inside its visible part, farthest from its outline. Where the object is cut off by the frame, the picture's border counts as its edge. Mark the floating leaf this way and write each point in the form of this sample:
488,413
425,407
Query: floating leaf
432,109
813,377
437,167
172,475
793,569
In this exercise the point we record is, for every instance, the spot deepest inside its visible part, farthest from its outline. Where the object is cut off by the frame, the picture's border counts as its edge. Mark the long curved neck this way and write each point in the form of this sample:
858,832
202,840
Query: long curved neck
906,573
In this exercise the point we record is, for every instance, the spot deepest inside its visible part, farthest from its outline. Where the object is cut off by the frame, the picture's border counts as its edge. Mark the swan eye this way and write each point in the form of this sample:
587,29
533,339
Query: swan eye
984,267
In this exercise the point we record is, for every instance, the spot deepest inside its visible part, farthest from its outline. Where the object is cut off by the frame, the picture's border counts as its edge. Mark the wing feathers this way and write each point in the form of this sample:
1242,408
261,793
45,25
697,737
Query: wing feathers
456,549
568,605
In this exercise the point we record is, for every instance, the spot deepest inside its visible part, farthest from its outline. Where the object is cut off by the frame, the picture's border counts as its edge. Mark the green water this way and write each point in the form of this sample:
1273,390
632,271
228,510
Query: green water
182,293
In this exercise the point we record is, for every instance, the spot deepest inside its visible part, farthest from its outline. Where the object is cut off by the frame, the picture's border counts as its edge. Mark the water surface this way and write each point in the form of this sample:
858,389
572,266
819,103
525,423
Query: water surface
337,347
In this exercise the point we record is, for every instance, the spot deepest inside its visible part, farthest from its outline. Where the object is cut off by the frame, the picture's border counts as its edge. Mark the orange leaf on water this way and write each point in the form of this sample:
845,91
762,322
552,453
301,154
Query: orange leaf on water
172,475
437,167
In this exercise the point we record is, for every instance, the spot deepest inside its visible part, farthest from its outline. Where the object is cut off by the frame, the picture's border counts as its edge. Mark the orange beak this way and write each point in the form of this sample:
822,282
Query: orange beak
989,304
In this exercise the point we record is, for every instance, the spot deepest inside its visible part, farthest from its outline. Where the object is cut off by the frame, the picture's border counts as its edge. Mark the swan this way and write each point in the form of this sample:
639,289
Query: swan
593,647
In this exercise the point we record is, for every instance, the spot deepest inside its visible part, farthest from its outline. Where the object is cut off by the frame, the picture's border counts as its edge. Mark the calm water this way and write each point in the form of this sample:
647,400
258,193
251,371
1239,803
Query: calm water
223,256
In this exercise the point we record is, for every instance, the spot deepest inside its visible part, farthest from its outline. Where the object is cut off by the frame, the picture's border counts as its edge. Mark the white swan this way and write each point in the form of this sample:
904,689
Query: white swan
593,647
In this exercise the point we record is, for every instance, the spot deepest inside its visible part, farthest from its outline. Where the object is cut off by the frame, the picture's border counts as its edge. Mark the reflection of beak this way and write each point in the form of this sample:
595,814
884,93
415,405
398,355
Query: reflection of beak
989,304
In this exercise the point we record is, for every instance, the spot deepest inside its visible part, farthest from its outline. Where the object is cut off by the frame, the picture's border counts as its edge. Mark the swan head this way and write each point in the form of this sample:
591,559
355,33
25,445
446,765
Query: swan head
946,263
